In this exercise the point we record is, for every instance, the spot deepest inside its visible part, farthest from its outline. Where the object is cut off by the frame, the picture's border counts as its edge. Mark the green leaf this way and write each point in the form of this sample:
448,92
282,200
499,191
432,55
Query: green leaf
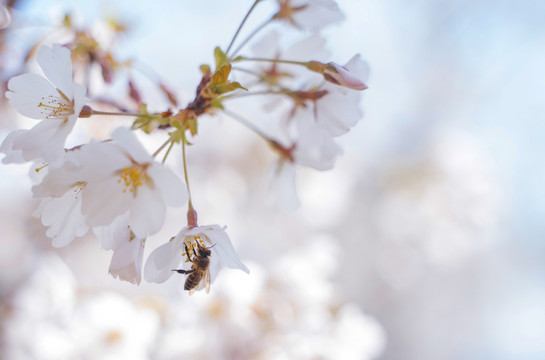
148,122
221,58
221,75
226,88
205,69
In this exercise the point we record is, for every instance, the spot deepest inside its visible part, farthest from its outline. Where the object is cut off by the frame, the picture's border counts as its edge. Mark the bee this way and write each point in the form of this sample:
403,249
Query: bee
200,269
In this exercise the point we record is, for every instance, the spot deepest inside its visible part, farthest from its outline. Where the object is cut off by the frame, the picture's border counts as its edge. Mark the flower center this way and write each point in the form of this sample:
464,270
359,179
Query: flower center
78,187
132,177
53,107
191,242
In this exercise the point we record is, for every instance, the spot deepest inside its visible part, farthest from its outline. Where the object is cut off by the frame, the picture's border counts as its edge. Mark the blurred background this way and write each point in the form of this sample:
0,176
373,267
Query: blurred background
424,242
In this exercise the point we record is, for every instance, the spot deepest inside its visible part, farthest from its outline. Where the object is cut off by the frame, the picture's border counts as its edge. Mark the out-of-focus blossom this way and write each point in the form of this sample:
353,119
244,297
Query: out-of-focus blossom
312,47
56,99
314,148
339,110
168,256
12,155
5,17
282,188
311,15
341,76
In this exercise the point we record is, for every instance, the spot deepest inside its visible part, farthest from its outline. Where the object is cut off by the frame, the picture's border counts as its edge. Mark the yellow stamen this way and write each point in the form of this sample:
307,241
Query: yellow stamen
55,107
132,177
41,167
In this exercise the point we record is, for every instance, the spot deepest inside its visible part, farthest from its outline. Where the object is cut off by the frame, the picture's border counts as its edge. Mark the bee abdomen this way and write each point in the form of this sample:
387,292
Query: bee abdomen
193,280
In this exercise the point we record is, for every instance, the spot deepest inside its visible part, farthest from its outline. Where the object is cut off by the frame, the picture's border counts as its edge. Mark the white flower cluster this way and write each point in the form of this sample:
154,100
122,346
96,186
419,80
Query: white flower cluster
116,189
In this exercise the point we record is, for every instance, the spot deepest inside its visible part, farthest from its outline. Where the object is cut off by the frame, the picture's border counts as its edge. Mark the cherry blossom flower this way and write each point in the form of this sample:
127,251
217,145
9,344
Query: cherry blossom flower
125,178
60,209
114,178
282,188
311,15
5,17
339,110
126,263
167,257
315,148
56,99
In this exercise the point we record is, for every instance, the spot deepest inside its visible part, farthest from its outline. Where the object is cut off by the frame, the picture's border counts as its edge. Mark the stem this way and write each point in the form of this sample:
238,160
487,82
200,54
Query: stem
276,61
249,37
248,124
161,148
266,92
241,25
168,152
113,113
185,174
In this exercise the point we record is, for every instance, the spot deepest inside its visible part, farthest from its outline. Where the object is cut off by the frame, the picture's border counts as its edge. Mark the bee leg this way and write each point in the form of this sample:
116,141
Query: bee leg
181,271
187,253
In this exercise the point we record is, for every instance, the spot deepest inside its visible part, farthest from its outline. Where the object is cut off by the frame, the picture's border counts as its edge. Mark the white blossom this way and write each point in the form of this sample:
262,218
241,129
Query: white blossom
126,263
115,178
63,218
315,148
339,109
169,256
282,188
60,210
311,15
5,17
56,100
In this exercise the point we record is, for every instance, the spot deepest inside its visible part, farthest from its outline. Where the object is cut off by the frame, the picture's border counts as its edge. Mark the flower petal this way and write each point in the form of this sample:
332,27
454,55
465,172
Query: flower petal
172,189
45,140
57,67
112,235
162,260
26,93
127,261
128,141
147,212
224,249
63,218
282,189
12,156
104,201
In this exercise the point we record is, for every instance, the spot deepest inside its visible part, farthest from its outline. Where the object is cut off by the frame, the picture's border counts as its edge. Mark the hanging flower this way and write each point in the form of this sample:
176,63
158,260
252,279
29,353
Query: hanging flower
169,256
128,250
55,99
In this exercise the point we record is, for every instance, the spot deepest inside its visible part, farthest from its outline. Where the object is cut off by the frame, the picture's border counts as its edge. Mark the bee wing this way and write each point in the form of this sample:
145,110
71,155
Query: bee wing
193,290
206,280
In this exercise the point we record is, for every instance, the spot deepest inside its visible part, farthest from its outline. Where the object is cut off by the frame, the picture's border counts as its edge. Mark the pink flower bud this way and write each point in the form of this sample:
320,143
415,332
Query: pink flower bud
341,76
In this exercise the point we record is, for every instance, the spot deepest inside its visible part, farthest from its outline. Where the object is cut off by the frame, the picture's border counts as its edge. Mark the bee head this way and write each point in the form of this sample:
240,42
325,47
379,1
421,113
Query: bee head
202,251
